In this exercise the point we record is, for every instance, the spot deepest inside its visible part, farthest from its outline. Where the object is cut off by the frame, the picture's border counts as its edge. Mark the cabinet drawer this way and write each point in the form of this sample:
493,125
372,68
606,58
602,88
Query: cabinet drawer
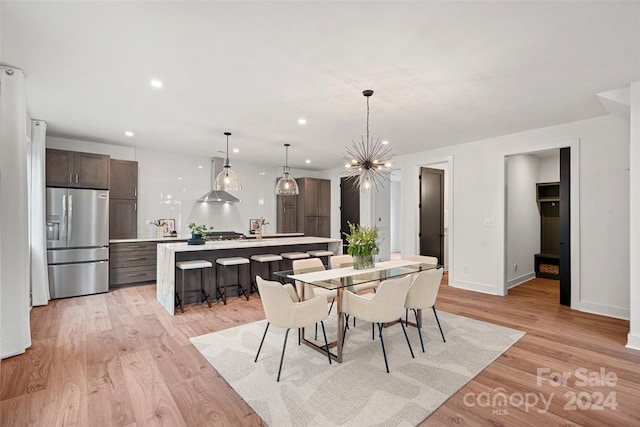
120,276
133,259
132,247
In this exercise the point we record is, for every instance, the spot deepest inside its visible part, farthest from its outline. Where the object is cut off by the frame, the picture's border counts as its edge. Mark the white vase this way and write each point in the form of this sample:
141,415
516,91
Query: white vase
159,232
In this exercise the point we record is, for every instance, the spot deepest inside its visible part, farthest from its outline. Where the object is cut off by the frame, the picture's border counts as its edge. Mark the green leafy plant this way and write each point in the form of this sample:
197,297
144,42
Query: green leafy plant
362,240
198,229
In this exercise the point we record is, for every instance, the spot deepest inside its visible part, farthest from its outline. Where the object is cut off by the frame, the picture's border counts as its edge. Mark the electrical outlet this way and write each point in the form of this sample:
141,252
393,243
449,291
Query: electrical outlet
489,222
466,268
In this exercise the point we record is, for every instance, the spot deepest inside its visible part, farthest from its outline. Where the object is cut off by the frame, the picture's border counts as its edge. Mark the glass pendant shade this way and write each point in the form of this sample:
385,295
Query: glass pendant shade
287,186
227,179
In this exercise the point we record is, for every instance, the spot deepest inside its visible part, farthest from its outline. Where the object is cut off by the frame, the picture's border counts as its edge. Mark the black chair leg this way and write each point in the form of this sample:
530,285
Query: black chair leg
261,342
407,338
182,295
326,343
205,295
438,320
384,352
373,333
419,328
284,346
331,306
346,326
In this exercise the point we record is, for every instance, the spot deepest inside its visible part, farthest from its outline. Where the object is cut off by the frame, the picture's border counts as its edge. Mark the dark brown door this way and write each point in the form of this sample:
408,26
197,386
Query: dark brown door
432,213
349,207
123,219
91,171
123,179
565,226
58,168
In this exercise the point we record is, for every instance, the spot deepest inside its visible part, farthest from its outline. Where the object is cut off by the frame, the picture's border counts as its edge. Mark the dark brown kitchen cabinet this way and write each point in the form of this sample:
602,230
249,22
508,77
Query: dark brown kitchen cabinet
123,219
317,226
314,207
124,179
287,215
76,170
123,199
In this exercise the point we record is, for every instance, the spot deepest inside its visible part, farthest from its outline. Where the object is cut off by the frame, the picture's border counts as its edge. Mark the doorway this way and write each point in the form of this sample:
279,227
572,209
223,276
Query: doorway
538,219
432,213
349,207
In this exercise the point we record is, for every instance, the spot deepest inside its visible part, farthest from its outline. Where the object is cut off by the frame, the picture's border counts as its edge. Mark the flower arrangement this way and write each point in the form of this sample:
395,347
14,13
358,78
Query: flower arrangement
158,222
363,245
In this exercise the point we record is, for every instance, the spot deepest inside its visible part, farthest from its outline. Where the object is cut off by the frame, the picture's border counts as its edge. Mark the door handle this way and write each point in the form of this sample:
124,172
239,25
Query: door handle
64,218
76,178
70,216
69,178
135,192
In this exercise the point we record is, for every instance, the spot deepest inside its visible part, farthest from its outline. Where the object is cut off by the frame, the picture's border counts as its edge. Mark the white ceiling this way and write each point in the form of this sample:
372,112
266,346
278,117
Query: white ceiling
443,72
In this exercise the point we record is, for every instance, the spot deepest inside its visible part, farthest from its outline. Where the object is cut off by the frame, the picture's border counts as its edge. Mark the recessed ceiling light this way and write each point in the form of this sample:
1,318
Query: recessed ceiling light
385,142
128,133
179,178
307,161
156,83
302,121
200,167
184,189
236,150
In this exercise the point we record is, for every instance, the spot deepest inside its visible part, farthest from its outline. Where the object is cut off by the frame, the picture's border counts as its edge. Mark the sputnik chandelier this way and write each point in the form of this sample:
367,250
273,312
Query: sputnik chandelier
368,162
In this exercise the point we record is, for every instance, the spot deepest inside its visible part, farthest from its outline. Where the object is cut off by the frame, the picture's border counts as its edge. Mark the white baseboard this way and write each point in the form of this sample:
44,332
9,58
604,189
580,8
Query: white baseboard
603,310
521,279
472,286
633,341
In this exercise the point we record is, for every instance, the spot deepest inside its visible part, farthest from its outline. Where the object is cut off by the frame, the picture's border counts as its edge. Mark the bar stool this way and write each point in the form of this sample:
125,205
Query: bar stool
193,265
288,257
322,254
225,263
258,262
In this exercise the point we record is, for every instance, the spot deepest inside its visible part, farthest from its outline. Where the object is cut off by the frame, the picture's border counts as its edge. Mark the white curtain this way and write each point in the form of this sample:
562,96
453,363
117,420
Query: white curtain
15,335
37,219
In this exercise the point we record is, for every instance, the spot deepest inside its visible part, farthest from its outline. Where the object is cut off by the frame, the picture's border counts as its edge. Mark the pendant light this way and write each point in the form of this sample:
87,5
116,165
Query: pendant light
227,179
368,162
287,186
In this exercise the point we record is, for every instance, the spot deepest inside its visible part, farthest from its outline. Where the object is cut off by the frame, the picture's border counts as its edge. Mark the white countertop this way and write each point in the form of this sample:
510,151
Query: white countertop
246,243
167,239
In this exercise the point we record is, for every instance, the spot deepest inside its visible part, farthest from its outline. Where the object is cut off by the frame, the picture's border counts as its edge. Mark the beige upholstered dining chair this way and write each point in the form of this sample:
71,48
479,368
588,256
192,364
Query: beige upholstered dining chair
281,307
310,265
423,294
339,261
386,305
424,259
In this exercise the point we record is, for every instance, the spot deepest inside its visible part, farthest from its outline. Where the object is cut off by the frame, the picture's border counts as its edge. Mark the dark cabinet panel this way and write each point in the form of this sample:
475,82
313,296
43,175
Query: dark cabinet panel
59,165
314,206
287,218
123,219
123,180
77,170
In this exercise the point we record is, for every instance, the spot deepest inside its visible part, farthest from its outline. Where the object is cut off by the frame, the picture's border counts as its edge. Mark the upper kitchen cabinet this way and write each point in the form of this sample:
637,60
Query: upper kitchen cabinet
124,179
314,207
77,170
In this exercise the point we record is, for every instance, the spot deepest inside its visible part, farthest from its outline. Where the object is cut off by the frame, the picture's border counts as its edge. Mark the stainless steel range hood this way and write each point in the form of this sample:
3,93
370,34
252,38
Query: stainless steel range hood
213,196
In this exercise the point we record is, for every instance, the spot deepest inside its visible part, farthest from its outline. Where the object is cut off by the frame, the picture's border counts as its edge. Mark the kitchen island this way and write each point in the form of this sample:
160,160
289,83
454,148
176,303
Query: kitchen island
169,253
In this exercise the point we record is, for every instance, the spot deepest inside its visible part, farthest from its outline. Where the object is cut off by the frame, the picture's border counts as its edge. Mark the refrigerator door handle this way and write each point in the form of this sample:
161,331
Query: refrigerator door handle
63,231
70,216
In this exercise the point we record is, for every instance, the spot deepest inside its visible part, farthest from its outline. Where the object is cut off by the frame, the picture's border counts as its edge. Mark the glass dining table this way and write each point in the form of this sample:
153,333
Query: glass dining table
344,278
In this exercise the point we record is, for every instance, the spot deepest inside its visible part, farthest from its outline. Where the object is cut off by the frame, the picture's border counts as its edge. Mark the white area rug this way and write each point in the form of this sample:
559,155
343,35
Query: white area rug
357,392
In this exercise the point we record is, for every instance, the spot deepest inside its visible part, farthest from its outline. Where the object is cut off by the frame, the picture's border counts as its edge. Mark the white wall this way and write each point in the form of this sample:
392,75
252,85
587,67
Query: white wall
476,196
633,339
550,168
523,218
395,215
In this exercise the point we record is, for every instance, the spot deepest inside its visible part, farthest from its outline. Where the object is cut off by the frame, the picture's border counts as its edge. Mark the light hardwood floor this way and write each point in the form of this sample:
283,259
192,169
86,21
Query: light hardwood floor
118,359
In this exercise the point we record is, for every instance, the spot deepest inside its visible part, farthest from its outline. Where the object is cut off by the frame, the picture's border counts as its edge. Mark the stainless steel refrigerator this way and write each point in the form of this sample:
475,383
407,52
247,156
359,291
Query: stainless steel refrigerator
77,241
